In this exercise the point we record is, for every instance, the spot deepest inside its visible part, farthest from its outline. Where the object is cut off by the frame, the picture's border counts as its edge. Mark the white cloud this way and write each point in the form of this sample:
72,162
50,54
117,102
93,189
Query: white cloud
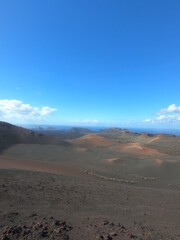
148,120
16,109
87,121
90,121
47,110
170,109
171,114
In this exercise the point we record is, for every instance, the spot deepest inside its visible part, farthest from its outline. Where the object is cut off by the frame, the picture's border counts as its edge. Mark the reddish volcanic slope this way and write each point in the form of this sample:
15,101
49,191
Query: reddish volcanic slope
93,140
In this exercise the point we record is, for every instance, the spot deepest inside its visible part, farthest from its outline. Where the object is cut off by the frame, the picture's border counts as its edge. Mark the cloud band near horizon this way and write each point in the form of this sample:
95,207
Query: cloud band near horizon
171,114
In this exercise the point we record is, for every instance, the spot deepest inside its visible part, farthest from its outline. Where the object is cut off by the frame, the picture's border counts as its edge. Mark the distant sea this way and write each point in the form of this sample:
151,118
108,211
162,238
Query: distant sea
98,128
156,130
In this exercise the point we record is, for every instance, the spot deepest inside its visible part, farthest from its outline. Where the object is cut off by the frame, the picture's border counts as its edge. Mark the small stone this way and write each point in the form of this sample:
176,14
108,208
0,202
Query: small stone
57,222
44,233
107,237
106,222
113,234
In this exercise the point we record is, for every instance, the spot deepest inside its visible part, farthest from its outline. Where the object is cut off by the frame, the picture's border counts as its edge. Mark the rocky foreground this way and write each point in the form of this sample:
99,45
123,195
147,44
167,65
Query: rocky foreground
37,205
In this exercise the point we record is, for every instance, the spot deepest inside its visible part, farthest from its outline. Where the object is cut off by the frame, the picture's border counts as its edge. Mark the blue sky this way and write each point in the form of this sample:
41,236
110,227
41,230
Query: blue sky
90,62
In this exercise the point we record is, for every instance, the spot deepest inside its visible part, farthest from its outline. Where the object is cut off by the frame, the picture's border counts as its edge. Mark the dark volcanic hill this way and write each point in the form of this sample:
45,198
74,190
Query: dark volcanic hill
7,128
11,134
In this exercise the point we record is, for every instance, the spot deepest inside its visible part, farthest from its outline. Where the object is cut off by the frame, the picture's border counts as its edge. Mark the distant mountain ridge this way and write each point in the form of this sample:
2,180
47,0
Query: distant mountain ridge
73,132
